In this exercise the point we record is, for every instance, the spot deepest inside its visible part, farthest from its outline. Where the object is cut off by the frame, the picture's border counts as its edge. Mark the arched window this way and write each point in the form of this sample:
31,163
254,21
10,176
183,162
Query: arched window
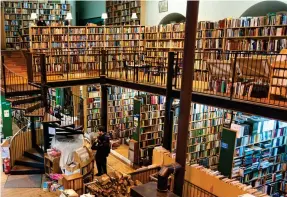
172,18
264,7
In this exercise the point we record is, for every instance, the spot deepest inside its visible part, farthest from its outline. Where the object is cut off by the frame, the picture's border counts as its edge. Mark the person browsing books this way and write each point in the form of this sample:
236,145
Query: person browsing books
41,22
102,146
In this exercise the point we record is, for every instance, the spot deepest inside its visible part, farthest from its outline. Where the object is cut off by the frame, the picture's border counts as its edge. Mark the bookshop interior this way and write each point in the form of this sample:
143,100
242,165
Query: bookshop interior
158,98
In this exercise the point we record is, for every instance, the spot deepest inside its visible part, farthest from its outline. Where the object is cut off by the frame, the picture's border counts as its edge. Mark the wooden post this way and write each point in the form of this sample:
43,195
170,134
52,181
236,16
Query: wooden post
33,132
85,107
186,90
167,138
29,67
4,75
46,136
44,89
104,106
103,70
3,32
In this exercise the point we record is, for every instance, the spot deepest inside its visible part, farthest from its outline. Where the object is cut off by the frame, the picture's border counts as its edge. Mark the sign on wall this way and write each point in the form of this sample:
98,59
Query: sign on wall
163,6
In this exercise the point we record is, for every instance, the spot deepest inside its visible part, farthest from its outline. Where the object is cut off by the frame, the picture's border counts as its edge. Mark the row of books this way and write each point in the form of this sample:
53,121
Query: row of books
255,32
206,25
270,19
128,122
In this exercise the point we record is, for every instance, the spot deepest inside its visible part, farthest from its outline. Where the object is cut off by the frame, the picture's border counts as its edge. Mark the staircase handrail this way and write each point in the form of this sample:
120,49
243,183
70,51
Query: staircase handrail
19,143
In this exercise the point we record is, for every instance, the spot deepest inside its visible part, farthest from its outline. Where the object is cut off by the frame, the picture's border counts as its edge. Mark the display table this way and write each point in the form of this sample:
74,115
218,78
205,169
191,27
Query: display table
149,190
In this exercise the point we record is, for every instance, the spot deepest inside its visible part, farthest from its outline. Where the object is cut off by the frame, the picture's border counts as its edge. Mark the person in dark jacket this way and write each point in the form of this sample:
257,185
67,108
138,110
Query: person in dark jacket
41,21
102,145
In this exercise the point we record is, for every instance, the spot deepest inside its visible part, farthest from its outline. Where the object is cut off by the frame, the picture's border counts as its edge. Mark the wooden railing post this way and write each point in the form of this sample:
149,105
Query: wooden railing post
29,67
168,103
103,69
233,76
33,131
4,75
44,89
104,105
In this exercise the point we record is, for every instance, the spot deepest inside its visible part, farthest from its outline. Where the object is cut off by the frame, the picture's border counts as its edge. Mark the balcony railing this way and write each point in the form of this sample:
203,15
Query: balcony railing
245,76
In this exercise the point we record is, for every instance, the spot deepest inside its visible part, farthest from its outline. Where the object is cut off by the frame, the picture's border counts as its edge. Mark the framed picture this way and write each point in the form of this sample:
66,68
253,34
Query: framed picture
163,6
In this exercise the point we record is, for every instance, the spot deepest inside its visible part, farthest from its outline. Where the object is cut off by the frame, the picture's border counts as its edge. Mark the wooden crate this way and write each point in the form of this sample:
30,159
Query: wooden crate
51,164
74,182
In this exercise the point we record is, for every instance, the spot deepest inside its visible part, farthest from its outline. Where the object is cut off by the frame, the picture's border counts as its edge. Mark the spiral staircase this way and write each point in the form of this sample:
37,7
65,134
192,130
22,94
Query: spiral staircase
28,145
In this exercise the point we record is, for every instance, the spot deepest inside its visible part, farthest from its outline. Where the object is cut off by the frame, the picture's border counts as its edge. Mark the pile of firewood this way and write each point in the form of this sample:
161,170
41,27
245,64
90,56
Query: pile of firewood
115,184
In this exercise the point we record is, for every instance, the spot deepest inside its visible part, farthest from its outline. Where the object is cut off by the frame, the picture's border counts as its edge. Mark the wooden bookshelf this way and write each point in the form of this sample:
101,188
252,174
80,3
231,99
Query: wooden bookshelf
260,153
120,12
120,111
148,121
74,182
205,125
51,165
93,107
79,46
17,17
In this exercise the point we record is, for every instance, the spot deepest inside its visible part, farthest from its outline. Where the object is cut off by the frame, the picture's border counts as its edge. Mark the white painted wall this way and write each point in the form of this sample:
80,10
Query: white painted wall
208,10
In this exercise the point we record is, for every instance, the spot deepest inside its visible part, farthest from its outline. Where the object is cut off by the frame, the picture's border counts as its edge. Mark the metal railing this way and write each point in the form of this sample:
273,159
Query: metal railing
65,65
247,76
71,112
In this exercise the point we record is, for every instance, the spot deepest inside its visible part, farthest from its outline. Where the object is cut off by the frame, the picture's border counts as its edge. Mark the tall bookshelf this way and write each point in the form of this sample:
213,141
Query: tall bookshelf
80,46
205,125
93,107
148,122
260,156
120,12
120,111
17,17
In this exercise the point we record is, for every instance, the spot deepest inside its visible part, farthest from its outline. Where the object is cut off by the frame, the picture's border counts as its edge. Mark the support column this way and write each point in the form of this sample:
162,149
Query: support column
104,106
167,137
33,132
3,74
46,137
44,94
76,103
85,107
186,90
44,89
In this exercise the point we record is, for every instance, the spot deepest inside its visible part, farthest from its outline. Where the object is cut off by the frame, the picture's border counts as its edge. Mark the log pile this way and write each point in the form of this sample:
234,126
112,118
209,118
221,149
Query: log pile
115,184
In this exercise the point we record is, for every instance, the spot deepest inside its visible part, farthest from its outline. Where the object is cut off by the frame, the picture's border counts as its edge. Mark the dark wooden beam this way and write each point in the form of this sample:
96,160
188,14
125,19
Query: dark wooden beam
185,93
33,132
167,136
44,89
104,106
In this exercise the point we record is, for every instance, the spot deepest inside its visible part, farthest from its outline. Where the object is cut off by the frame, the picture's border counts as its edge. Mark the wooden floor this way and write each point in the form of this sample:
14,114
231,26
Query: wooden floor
123,150
113,164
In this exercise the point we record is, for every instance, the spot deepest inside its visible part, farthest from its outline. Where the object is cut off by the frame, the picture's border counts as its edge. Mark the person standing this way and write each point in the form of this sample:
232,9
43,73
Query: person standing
102,146
41,22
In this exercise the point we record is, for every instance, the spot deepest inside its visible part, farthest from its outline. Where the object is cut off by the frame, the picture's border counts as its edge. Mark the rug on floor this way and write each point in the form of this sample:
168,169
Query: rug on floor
24,181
